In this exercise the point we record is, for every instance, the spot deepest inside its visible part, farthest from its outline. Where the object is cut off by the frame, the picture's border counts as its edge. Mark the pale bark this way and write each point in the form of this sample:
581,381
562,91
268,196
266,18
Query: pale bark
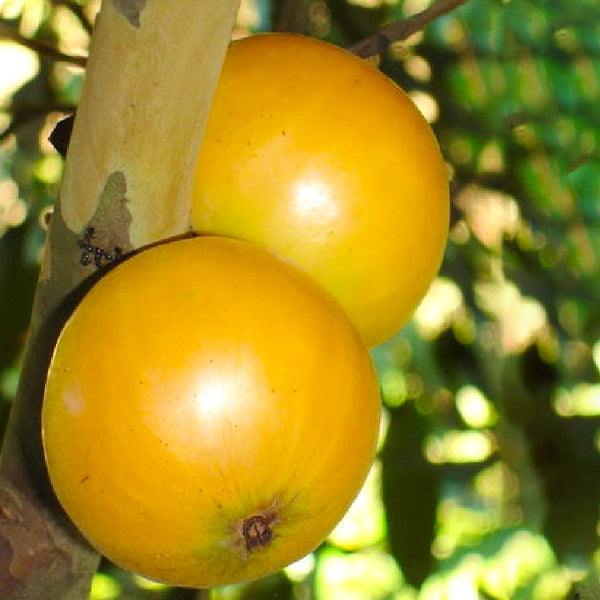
150,79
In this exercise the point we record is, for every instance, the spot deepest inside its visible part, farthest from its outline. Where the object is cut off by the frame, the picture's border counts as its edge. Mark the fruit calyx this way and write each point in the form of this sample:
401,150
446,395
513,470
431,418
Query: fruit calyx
257,531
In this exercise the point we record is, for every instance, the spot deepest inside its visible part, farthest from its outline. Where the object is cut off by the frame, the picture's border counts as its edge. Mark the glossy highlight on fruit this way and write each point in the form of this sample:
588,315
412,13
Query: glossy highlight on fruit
209,414
319,157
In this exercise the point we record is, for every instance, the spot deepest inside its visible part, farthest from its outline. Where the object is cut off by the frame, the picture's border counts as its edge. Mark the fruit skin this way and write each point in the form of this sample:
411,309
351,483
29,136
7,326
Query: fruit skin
314,154
200,385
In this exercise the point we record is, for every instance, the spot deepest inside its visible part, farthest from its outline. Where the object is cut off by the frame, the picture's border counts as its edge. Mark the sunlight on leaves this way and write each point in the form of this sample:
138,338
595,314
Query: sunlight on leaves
461,526
228,592
520,559
19,65
426,104
474,408
49,169
459,447
73,38
491,215
364,523
554,584
403,49
9,382
460,584
393,387
301,569
411,7
596,354
418,68
454,33
11,9
524,555
364,575
496,485
521,319
13,209
249,14
491,160
147,584
104,587
583,400
438,308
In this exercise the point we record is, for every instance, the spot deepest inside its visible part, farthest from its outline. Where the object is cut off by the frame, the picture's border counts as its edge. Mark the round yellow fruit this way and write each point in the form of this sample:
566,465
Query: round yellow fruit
209,413
319,157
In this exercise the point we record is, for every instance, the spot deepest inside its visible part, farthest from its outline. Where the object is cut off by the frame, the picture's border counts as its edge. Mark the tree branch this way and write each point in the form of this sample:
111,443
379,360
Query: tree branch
149,83
400,30
8,32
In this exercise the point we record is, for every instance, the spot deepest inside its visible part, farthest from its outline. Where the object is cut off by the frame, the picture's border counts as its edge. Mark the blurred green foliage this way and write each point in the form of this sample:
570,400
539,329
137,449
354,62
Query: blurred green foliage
487,484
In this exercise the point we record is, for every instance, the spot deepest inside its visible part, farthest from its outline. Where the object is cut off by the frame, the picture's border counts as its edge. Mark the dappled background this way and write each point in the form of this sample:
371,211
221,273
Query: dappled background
487,481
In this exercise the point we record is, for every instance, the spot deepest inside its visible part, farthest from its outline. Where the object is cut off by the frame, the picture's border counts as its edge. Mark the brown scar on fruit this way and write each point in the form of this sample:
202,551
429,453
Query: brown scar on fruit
131,10
257,531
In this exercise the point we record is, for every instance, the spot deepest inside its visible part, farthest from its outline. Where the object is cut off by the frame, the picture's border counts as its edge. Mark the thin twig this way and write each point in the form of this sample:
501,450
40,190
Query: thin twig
400,30
78,11
6,31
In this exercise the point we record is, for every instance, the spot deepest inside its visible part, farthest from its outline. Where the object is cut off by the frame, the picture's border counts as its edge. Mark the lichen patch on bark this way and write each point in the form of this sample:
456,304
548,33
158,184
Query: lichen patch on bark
64,267
131,10
112,218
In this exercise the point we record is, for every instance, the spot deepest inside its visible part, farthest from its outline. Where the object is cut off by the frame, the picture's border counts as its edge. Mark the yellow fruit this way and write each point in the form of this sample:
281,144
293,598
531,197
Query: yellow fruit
209,414
317,156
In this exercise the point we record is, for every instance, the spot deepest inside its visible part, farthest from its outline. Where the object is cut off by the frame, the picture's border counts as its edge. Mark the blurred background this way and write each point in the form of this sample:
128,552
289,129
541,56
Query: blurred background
487,481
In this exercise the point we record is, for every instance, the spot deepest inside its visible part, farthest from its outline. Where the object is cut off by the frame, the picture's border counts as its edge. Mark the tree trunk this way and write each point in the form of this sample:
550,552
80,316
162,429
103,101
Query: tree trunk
150,79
